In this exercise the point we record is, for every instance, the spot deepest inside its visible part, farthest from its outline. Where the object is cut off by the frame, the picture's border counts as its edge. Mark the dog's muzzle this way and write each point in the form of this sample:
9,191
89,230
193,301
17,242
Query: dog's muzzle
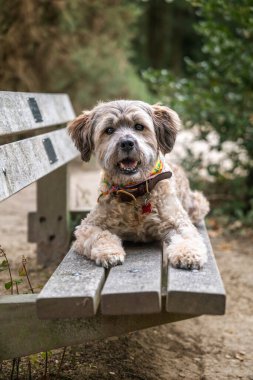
128,146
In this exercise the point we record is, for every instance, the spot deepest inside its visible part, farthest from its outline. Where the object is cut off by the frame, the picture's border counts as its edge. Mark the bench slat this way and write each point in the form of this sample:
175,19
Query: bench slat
25,161
73,291
198,292
135,286
18,113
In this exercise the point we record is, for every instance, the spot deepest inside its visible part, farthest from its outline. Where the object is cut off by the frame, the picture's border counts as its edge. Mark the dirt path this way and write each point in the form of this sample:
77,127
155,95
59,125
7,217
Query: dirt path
213,348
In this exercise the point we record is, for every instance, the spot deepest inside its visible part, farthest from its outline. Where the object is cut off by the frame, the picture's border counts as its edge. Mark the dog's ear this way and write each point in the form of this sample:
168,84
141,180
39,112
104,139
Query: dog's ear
80,130
167,123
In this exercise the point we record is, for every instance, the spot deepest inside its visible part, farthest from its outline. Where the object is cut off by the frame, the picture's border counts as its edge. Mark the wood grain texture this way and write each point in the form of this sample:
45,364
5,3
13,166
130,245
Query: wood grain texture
198,292
16,115
23,333
52,217
73,291
34,223
135,286
25,161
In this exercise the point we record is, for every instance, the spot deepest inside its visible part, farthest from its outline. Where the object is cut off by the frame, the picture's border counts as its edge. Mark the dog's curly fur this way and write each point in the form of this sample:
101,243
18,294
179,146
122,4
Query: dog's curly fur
175,208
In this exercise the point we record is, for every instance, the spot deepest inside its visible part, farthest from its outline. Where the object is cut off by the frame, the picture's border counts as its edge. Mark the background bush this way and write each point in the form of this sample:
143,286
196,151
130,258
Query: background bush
80,47
215,92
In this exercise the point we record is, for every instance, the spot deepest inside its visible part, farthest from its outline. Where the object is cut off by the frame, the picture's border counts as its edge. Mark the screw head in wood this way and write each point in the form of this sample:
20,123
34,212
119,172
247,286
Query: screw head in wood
133,270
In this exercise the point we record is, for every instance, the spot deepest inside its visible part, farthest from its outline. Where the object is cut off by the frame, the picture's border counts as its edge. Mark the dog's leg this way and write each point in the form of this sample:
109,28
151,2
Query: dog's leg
99,245
185,247
199,207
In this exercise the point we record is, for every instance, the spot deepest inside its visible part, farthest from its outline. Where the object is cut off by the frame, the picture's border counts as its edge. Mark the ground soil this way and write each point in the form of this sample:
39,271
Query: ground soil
207,347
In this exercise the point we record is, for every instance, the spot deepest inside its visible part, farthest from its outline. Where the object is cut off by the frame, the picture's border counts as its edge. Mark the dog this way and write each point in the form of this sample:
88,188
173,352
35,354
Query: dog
143,197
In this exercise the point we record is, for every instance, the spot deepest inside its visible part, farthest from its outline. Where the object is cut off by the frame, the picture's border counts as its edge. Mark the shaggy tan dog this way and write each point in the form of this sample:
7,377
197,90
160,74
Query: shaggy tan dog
130,139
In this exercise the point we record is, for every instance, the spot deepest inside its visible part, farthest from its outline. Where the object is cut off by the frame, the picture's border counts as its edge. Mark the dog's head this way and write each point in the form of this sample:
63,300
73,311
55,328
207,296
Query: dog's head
126,137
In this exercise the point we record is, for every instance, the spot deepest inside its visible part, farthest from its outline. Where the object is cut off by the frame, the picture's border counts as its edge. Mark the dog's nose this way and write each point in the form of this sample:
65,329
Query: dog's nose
127,145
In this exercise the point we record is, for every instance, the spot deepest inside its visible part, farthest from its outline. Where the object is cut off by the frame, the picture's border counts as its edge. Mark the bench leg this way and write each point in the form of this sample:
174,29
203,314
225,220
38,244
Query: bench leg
49,227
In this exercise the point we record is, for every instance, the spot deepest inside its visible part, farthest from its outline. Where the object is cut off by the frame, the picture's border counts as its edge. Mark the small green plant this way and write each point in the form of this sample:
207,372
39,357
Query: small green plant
23,272
16,367
6,266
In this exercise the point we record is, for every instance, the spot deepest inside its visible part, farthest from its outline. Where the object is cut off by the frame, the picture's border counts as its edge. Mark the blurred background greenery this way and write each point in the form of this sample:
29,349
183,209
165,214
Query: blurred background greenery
193,55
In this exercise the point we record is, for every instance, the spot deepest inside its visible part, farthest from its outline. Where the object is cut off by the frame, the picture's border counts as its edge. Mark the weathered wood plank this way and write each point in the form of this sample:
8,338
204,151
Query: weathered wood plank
53,232
25,161
135,286
200,292
19,113
34,222
23,333
53,225
73,291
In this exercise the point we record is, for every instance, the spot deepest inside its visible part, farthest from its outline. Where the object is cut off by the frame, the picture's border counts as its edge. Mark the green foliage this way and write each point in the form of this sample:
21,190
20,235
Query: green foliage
8,285
15,282
164,33
4,265
80,47
216,91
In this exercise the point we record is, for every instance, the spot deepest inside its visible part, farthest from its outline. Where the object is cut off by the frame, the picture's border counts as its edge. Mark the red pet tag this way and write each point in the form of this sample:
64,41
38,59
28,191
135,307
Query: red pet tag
147,208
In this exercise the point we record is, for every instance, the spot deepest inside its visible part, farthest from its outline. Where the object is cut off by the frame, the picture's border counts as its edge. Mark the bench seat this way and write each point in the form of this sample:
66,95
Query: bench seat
142,285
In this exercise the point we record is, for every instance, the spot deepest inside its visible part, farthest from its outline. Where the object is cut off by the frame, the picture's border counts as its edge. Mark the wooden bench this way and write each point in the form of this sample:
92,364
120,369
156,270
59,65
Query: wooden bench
82,301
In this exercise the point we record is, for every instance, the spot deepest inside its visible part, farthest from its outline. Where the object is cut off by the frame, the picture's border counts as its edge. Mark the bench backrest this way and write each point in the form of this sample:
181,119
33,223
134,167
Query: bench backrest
28,120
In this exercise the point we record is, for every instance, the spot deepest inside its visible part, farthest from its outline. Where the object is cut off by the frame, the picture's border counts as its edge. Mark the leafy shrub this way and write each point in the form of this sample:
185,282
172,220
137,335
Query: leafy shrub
80,47
216,91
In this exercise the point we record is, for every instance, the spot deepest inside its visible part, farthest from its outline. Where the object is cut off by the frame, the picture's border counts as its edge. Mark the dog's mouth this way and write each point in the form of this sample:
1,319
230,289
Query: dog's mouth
128,166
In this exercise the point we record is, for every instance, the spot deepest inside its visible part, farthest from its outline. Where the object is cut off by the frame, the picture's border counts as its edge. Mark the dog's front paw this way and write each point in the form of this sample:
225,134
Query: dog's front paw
107,250
108,260
186,253
100,246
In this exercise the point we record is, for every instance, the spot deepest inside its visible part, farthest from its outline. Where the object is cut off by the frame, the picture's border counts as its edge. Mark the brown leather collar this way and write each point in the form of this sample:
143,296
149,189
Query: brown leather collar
128,193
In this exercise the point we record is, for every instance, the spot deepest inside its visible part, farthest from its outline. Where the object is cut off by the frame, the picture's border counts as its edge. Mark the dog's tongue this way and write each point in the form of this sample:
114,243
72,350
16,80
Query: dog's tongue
128,164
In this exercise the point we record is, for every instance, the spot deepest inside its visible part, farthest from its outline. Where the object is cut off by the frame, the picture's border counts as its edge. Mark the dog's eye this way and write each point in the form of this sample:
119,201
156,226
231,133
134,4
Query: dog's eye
139,127
109,131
